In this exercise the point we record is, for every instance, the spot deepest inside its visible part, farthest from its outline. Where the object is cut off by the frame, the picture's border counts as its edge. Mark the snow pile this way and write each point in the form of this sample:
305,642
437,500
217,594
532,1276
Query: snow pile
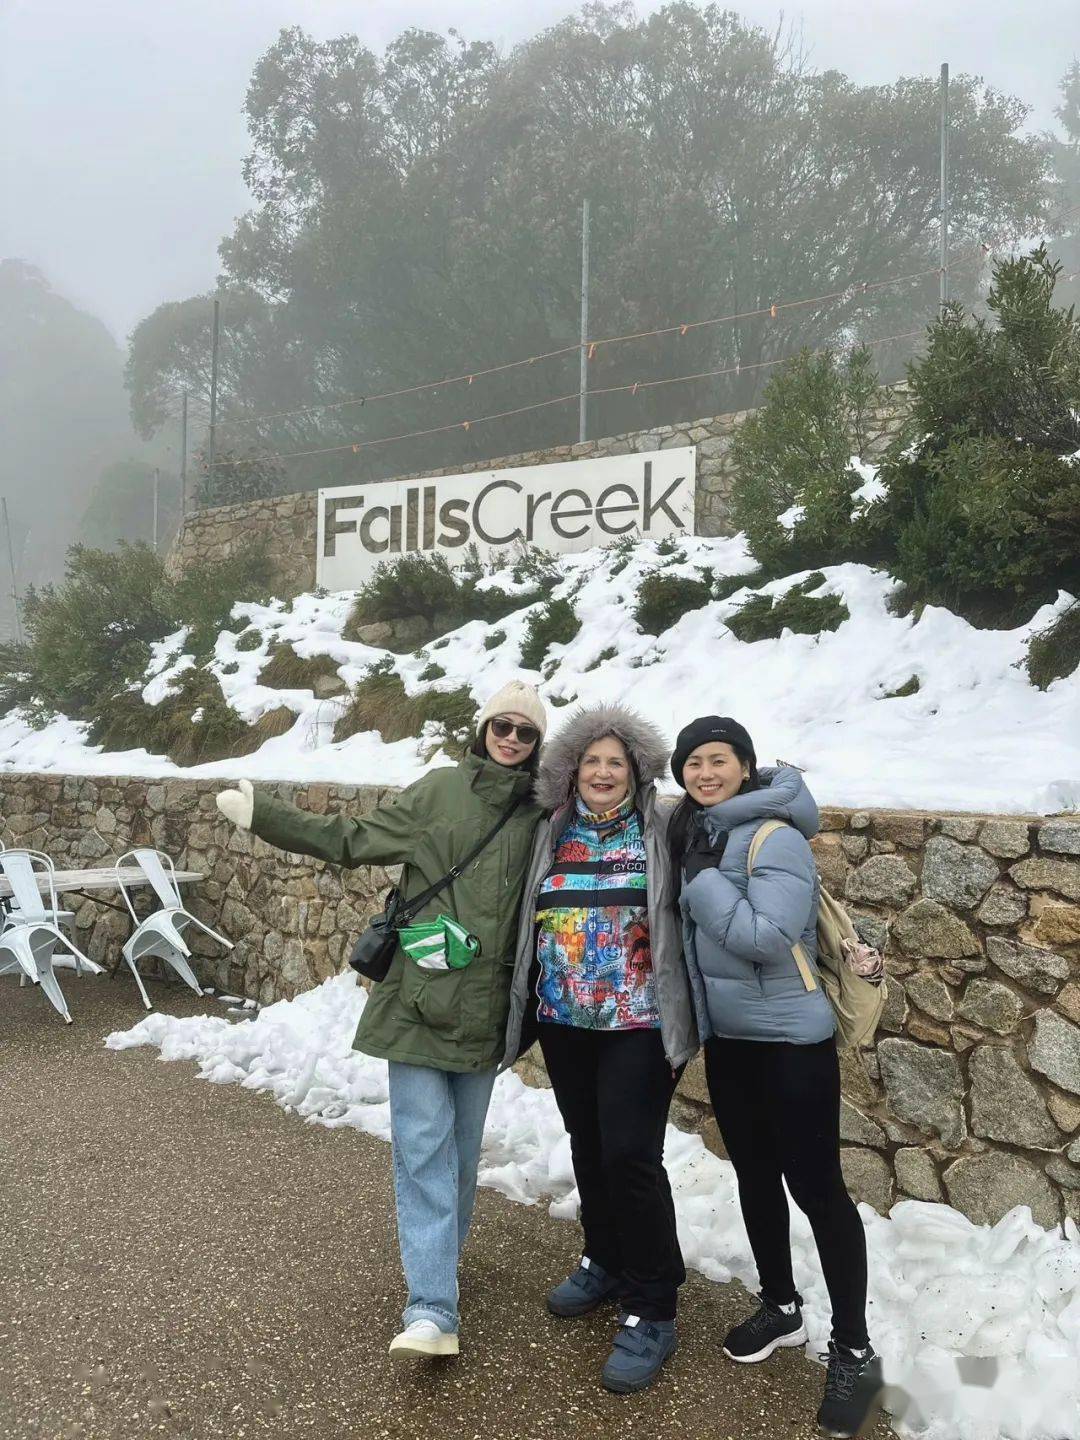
979,1326
975,736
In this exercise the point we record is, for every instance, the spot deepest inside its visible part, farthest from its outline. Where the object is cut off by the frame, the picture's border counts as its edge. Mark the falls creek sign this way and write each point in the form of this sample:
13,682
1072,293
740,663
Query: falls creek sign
568,506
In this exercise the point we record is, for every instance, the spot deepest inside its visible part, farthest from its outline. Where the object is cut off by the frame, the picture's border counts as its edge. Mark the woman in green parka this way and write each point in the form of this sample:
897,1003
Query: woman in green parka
441,1029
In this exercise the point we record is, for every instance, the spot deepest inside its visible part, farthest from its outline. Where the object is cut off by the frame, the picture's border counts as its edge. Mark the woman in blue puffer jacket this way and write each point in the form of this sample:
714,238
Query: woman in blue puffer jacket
770,1054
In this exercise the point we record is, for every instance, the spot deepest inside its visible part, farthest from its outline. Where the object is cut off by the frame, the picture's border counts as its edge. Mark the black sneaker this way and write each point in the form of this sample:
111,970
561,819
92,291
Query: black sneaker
853,1392
768,1329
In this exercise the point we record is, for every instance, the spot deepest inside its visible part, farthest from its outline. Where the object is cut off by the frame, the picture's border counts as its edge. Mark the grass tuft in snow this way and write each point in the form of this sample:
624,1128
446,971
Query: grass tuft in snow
379,702
909,687
286,670
190,726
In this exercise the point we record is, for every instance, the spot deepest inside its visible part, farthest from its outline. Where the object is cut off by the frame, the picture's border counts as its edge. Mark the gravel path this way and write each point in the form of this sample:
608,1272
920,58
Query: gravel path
185,1259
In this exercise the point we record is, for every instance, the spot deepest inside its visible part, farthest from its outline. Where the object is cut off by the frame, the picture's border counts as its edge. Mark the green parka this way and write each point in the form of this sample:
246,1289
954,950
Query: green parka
448,1019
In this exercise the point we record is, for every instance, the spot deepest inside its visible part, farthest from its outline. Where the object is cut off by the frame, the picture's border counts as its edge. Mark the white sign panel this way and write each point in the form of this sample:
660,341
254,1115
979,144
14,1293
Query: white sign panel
568,506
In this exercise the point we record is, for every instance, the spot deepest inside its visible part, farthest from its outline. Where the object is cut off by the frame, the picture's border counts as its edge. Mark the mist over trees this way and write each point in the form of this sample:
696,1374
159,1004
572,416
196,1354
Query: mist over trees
417,214
1065,156
65,419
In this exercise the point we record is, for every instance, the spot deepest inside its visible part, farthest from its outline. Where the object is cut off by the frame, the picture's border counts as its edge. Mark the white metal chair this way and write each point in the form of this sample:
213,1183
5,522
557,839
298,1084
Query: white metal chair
30,934
160,934
65,919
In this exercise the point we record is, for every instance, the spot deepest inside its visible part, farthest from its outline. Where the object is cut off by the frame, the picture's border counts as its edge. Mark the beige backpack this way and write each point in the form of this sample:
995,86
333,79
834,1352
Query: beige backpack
857,1001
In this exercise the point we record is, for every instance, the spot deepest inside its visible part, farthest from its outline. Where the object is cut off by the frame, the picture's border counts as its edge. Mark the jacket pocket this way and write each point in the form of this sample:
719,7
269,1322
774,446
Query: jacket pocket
435,997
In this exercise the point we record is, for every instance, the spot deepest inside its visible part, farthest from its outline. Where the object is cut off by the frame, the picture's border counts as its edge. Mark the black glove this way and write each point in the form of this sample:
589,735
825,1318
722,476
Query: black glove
702,854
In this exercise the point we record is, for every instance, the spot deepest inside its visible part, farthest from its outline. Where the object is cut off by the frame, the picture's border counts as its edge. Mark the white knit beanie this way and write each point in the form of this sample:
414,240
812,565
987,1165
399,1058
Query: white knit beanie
516,698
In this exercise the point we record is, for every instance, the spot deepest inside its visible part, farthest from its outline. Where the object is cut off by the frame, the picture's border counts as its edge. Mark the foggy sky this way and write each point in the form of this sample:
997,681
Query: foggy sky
122,134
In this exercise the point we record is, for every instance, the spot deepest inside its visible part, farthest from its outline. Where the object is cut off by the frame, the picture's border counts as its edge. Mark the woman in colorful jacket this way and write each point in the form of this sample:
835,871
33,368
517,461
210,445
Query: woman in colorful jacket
599,965
442,1030
770,1054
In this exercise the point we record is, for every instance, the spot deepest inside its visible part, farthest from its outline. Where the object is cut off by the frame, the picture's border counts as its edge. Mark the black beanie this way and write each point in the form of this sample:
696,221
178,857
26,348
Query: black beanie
706,729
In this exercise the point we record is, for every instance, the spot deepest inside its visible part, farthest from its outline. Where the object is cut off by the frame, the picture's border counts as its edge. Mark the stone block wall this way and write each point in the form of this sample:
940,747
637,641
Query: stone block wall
288,523
971,1093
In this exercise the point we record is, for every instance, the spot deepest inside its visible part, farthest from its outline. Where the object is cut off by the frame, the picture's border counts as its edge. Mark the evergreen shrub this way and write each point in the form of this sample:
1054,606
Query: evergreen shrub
553,623
766,618
796,450
662,599
1055,651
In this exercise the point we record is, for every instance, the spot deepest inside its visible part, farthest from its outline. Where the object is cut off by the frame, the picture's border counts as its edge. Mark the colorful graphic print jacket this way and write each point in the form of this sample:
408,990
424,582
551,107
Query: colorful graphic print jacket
593,926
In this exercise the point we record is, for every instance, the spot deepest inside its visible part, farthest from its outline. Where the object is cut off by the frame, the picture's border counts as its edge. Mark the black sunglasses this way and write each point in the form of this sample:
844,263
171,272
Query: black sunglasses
503,729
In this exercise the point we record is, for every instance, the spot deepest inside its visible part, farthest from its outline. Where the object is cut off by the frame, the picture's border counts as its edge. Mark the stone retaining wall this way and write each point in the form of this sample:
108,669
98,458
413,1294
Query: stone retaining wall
288,523
971,1093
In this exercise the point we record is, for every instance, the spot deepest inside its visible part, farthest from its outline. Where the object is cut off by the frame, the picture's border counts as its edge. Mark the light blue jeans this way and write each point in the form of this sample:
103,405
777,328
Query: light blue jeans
437,1124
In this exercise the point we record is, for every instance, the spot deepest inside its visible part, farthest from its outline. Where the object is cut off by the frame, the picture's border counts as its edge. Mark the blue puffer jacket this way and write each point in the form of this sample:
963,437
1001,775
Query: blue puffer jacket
739,931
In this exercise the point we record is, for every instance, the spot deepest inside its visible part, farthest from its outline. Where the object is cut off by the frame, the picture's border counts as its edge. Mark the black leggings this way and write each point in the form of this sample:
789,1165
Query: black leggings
778,1109
613,1089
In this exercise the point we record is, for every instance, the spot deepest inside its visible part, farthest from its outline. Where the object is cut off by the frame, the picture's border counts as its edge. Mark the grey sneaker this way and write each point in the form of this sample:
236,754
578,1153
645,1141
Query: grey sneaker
588,1287
640,1349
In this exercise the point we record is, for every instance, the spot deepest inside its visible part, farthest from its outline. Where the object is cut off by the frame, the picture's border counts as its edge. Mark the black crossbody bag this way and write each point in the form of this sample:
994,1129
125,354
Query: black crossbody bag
374,951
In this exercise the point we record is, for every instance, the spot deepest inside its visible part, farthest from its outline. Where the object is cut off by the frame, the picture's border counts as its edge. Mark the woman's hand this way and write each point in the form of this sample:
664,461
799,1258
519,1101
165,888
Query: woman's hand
238,805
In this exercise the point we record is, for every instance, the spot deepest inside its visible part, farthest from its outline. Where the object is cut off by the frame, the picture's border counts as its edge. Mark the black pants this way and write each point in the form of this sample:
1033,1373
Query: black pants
614,1089
778,1109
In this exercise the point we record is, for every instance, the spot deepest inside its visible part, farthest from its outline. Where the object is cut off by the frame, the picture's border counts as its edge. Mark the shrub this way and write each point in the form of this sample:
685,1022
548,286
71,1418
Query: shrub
250,639
286,670
764,618
998,532
413,584
663,599
796,450
1055,652
619,554
494,640
432,671
208,590
90,635
426,587
379,702
981,510
190,727
553,623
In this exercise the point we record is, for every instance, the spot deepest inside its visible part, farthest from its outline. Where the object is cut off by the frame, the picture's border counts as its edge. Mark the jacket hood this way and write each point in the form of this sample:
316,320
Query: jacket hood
560,757
782,796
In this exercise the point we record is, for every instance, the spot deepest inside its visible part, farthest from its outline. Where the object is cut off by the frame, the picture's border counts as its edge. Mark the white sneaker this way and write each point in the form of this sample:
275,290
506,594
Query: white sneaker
422,1337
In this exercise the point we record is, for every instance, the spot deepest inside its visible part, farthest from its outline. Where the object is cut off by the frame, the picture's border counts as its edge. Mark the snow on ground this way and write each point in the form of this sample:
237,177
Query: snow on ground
980,1326
976,736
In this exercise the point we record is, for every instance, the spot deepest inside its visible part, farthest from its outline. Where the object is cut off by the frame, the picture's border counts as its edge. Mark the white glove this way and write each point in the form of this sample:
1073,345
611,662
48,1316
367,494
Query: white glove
238,805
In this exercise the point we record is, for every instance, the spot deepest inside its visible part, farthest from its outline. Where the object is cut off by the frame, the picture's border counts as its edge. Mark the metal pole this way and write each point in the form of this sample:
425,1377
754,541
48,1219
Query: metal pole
157,487
11,566
183,458
213,399
944,259
583,404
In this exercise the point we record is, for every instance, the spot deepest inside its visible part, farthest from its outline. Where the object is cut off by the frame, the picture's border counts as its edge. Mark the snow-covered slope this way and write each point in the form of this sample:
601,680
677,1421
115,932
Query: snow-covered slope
976,736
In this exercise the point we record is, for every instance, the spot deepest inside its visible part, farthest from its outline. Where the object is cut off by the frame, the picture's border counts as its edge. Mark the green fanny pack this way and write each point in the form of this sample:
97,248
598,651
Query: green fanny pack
439,944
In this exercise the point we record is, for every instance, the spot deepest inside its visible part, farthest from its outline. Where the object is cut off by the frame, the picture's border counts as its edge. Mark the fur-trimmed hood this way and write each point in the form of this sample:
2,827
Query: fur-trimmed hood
560,756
